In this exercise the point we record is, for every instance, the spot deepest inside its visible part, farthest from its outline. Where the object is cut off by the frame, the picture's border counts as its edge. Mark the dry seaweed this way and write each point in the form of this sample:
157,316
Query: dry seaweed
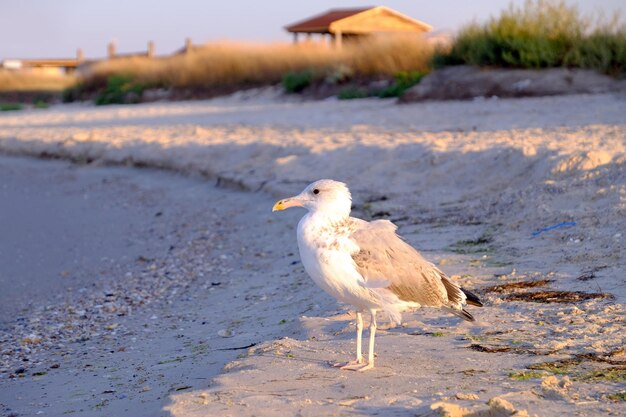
560,367
556,296
512,349
609,357
518,285
489,349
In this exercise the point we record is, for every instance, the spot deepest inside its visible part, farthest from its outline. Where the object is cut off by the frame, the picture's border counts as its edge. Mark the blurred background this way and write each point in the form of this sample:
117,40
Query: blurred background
129,52
56,28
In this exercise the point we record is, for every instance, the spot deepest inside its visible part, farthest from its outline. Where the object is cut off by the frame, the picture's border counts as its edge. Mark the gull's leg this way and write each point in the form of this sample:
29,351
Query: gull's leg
359,336
370,354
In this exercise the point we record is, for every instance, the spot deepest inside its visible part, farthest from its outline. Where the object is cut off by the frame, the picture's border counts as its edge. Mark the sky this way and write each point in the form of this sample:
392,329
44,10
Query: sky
56,28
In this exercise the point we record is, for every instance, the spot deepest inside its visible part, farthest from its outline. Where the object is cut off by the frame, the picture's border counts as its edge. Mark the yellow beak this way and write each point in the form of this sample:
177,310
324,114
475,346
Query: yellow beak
286,203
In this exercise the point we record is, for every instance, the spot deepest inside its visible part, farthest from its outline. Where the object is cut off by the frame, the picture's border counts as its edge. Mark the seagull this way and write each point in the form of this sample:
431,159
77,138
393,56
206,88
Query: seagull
366,264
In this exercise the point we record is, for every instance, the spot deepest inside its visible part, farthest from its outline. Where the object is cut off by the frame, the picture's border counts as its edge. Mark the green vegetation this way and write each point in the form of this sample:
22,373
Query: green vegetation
176,359
576,370
101,404
615,374
438,334
603,50
526,375
295,82
120,89
350,93
403,80
558,368
618,396
469,246
198,349
40,104
11,106
541,34
72,93
490,263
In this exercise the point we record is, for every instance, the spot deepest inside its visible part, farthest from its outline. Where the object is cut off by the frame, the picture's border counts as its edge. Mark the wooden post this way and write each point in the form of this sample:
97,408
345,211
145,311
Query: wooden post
295,38
188,45
111,50
151,49
80,55
338,40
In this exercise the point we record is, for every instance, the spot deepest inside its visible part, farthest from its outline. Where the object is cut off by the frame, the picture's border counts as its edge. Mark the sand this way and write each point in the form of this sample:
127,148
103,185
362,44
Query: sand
65,226
472,184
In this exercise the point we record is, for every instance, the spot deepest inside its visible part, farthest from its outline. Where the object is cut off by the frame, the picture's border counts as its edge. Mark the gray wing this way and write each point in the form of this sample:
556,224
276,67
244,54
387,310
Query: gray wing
385,257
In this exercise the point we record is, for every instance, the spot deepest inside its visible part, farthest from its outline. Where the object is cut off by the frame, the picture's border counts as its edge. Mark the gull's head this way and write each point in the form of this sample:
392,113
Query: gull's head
327,196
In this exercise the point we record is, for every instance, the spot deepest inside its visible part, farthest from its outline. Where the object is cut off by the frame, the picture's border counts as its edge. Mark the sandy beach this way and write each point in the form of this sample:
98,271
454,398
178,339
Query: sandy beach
143,273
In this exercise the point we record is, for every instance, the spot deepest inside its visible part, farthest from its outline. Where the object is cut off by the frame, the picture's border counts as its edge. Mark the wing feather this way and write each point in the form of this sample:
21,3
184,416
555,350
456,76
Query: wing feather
384,256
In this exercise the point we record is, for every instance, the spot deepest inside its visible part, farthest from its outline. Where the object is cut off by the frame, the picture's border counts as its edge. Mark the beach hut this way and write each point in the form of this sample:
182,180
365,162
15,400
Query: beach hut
352,23
47,66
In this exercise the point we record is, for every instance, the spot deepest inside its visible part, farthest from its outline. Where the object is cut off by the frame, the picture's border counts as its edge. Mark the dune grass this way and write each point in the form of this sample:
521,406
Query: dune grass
223,63
19,81
542,34
243,64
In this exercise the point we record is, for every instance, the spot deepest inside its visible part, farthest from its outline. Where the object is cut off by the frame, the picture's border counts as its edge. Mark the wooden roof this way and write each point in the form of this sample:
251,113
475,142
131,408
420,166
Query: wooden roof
321,22
65,63
359,21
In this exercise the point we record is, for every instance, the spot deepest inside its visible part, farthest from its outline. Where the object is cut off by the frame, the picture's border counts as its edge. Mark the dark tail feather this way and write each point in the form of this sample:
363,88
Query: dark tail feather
472,299
460,313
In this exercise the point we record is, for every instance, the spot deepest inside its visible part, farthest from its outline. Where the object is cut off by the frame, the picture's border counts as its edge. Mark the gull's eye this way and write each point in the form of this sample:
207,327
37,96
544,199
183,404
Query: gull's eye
316,191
